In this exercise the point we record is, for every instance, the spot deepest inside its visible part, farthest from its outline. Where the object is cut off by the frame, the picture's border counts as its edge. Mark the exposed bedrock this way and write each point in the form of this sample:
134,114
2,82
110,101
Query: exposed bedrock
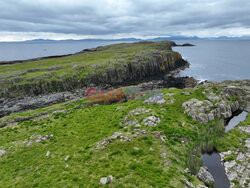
18,105
228,99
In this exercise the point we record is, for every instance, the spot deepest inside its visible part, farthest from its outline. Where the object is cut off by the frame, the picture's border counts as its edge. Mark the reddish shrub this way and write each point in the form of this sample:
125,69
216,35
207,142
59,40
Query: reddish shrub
109,97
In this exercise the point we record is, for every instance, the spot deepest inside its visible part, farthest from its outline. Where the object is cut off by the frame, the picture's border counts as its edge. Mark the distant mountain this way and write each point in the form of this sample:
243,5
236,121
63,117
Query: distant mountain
90,40
153,39
39,40
176,38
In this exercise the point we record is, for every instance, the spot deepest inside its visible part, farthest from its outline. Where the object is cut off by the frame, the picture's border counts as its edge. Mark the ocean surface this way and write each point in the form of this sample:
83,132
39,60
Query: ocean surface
26,50
214,60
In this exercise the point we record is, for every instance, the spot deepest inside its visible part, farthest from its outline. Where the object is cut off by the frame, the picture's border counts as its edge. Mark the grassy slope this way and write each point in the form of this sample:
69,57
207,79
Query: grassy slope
99,60
76,131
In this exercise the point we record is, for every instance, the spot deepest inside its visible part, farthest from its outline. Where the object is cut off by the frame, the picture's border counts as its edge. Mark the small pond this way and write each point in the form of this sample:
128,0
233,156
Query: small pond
213,161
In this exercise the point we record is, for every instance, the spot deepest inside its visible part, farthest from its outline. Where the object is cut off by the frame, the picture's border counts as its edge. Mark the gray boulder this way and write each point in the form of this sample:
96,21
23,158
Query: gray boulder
205,176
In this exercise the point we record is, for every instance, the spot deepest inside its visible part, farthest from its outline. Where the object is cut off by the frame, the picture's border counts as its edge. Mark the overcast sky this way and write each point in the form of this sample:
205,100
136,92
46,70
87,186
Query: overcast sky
77,19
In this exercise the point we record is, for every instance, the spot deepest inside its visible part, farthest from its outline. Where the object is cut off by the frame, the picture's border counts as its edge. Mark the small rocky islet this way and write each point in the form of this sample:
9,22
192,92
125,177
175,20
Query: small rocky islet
52,134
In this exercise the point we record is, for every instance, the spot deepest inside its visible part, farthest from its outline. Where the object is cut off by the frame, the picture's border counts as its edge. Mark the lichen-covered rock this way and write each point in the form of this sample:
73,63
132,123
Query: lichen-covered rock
213,97
205,176
234,91
205,111
156,99
151,121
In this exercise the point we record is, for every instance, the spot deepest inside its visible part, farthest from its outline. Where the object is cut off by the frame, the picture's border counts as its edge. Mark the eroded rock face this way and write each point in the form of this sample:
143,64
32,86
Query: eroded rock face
205,176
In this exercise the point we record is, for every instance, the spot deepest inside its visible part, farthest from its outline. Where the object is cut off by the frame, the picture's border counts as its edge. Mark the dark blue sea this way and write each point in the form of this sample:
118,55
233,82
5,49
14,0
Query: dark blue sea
214,60
217,60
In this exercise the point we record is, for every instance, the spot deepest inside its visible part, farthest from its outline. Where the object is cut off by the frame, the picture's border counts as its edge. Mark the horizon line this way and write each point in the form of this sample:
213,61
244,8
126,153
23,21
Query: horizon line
136,39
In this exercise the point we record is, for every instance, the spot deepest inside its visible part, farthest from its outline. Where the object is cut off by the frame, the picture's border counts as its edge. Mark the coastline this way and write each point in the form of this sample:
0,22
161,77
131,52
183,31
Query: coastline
169,119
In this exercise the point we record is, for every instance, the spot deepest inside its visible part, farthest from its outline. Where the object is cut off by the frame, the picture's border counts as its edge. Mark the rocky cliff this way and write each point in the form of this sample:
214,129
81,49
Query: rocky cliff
159,59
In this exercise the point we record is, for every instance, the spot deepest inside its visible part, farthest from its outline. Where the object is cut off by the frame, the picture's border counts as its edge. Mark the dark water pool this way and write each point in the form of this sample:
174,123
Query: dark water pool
213,161
235,121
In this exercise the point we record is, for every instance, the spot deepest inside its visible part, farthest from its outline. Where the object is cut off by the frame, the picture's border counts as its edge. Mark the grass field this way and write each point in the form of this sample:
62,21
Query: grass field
73,160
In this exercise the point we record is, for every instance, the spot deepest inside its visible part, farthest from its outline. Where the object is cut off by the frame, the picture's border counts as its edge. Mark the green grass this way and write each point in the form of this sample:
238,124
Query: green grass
78,130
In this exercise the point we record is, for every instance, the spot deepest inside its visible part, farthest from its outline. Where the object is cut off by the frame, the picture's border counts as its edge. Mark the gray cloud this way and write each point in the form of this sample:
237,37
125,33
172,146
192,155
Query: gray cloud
97,18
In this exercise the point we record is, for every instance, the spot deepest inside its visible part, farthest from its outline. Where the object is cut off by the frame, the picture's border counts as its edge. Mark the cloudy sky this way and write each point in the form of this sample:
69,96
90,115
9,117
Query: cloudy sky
77,19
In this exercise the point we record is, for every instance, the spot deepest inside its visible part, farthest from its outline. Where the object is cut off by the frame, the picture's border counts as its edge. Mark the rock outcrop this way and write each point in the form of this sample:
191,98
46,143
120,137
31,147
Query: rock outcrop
223,104
205,111
21,104
205,176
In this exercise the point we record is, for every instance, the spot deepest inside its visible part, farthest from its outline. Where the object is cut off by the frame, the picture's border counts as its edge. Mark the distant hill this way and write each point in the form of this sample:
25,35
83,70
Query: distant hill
153,39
